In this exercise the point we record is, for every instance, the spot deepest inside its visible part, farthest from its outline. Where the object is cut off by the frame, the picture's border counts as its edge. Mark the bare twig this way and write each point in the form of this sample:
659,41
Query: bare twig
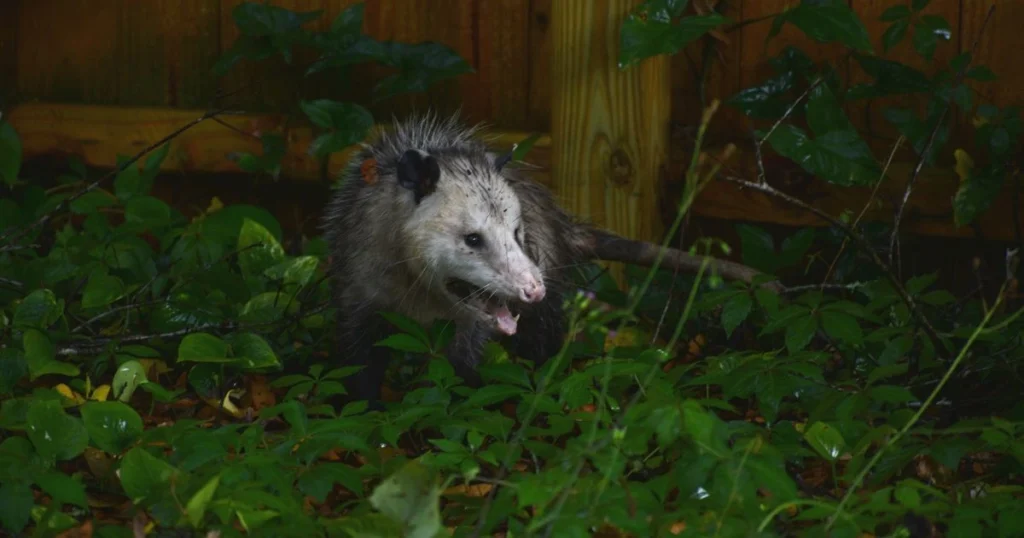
17,234
894,258
789,111
857,239
856,221
10,283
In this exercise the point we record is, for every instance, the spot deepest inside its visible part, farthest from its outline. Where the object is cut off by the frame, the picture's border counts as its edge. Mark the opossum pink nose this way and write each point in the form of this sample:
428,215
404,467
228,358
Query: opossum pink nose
533,292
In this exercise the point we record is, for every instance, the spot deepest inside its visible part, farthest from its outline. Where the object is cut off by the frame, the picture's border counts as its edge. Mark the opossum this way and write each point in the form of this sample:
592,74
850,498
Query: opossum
430,223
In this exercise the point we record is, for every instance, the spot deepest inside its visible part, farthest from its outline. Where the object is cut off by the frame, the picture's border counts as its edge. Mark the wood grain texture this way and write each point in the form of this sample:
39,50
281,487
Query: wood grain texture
97,134
609,127
165,52
9,14
998,47
539,66
67,50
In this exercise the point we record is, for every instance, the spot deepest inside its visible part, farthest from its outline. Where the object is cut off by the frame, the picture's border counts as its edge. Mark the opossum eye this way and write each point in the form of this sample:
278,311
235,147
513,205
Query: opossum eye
474,240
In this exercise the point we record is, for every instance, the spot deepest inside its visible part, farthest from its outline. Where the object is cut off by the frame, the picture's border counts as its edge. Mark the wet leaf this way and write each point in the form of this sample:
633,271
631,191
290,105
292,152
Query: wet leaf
258,249
252,351
831,22
825,440
113,426
649,31
54,433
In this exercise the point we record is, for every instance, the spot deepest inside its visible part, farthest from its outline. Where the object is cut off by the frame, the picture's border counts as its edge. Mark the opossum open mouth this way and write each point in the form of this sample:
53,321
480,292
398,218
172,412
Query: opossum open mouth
502,312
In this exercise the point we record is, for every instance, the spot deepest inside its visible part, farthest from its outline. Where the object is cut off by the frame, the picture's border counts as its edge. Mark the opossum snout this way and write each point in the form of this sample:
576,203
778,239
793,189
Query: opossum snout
532,292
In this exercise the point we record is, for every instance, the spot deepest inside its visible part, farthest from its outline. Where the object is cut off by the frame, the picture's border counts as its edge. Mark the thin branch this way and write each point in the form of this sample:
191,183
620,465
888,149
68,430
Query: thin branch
13,236
853,235
894,258
10,283
817,82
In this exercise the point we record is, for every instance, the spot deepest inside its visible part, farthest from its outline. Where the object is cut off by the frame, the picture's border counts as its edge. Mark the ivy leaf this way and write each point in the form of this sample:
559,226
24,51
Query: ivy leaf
113,426
928,30
252,351
826,23
203,347
825,440
54,433
648,31
10,154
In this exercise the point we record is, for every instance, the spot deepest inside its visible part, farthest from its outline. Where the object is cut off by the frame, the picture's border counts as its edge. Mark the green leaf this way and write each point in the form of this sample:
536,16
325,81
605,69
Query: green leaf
825,440
39,309
54,433
258,249
255,19
407,325
143,474
842,327
411,497
195,510
336,115
13,368
404,342
894,34
976,195
16,503
836,157
274,149
908,495
102,289
928,30
129,376
800,331
492,394
349,21
420,65
648,32
147,212
63,488
10,154
112,426
891,78
202,347
826,23
252,351
92,202
735,311
40,356
523,146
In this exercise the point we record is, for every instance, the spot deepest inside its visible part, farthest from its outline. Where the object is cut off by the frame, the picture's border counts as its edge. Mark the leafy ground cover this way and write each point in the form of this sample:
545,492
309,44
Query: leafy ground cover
168,375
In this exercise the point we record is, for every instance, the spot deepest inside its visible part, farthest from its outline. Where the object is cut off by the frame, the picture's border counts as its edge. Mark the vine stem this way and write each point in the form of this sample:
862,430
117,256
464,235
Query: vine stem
980,329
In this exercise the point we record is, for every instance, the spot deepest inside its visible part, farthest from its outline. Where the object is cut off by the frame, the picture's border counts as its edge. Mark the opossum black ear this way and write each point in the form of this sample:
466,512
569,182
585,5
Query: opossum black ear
418,171
501,160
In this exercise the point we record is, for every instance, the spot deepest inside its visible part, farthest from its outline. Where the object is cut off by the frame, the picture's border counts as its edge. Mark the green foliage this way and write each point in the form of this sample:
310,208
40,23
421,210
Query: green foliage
183,366
268,31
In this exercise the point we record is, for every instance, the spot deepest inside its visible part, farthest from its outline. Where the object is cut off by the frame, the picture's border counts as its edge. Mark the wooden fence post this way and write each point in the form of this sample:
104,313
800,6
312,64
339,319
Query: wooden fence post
609,127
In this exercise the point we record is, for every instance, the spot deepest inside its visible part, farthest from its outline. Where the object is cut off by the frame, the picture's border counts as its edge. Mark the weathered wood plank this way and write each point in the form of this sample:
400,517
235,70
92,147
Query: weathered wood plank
539,66
998,48
609,127
9,14
97,134
165,52
66,51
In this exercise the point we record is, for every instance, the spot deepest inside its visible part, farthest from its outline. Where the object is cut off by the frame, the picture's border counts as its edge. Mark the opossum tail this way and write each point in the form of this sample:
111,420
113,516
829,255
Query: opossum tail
602,245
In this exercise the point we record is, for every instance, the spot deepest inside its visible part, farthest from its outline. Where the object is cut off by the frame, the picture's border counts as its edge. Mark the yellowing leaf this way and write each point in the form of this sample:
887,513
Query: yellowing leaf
101,393
215,205
964,164
66,392
622,338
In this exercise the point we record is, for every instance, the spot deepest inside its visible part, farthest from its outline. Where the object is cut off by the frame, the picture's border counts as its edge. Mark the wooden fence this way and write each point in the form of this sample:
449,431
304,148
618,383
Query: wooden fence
99,78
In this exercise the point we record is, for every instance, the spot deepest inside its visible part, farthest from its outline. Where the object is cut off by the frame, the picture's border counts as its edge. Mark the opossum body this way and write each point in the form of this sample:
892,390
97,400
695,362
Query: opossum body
430,224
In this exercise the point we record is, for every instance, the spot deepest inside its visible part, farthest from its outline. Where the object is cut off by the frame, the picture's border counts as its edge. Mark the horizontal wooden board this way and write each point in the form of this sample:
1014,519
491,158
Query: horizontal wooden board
98,134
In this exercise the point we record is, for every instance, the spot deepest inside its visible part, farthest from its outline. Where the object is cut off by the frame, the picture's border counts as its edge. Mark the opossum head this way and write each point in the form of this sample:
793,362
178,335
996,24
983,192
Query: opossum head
466,231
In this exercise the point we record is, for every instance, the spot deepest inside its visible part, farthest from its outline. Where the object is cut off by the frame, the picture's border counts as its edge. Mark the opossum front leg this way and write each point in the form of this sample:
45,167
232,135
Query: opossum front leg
465,352
357,338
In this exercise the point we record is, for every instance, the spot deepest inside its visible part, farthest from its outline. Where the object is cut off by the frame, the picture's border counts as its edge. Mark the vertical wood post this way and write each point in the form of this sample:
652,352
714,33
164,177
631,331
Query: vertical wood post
609,127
